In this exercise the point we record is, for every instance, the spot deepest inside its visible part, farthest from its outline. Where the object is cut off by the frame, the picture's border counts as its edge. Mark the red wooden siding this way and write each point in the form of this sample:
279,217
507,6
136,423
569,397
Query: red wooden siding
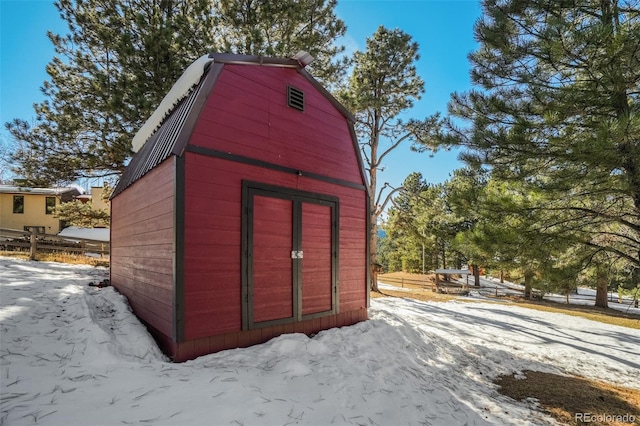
212,289
142,247
316,264
212,294
272,267
247,114
353,254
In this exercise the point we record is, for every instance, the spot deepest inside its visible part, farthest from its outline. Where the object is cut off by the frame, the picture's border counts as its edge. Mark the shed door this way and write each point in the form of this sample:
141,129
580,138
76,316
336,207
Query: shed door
290,255
317,282
272,267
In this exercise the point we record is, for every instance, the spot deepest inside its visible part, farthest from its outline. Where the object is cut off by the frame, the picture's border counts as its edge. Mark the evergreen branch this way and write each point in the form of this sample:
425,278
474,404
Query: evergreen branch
596,213
613,250
393,146
380,207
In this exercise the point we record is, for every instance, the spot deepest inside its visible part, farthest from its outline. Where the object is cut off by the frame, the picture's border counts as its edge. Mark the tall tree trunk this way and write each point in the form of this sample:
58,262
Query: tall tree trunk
601,289
476,275
528,278
373,252
373,208
635,272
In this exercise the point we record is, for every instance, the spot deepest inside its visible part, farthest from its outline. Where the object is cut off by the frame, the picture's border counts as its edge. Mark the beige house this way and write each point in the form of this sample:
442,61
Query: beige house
96,197
21,208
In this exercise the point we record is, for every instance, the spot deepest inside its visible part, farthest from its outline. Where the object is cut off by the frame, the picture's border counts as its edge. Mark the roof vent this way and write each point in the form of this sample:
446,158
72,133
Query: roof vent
295,98
303,58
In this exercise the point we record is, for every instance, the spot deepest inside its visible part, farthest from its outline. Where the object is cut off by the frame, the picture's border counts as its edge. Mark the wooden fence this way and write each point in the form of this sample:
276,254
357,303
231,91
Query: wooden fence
448,287
423,284
456,287
12,239
506,292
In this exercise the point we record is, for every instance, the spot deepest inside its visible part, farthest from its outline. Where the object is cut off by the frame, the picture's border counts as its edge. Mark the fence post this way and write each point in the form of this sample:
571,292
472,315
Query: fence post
496,291
33,243
402,282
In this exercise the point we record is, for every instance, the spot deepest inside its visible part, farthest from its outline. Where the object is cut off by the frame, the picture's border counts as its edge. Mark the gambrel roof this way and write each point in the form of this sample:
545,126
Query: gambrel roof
168,130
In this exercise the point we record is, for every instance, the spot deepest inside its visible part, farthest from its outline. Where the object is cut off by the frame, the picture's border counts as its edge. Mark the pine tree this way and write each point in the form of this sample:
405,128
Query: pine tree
82,215
424,221
404,235
110,71
559,111
158,40
505,235
121,57
283,28
383,85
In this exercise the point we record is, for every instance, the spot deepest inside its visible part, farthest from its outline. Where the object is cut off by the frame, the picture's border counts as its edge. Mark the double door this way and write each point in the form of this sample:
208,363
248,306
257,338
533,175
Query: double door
290,255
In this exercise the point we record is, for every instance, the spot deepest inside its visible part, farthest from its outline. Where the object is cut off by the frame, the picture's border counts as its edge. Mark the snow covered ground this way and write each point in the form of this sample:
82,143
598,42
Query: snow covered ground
584,296
71,354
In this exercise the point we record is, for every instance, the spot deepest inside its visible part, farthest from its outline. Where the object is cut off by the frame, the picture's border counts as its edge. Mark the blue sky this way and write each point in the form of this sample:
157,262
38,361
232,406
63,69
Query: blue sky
443,29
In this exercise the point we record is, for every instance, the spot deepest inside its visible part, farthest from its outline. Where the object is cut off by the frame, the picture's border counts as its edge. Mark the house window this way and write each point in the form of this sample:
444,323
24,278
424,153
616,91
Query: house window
50,205
18,204
36,229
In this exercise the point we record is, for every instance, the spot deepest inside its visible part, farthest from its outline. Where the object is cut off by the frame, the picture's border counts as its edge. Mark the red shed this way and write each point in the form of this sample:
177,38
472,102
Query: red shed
243,215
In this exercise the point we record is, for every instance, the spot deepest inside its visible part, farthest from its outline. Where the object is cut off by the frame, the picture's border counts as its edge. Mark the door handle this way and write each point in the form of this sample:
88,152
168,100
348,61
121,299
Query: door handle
296,254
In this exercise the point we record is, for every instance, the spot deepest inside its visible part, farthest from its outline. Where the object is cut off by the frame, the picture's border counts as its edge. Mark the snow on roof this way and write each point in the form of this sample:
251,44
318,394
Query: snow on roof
9,189
99,234
454,271
78,187
179,91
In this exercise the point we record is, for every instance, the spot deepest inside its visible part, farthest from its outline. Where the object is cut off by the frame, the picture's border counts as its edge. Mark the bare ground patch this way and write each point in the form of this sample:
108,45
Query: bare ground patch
424,295
572,400
61,257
